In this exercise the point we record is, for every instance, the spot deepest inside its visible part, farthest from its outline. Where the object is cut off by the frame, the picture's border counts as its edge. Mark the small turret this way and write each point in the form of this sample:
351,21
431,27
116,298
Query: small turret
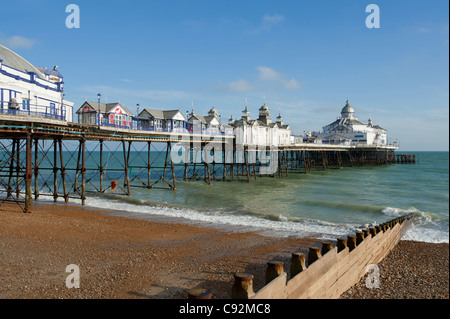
279,120
213,112
245,112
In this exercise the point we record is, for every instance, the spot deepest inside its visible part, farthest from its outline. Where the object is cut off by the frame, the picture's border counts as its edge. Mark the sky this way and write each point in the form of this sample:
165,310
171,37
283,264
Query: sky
303,58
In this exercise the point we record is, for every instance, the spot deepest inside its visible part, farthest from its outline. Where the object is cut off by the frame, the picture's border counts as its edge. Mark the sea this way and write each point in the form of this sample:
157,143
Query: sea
321,204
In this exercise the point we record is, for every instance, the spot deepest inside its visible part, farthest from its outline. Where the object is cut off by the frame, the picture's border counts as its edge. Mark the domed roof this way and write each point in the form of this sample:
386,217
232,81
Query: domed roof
15,61
264,107
347,108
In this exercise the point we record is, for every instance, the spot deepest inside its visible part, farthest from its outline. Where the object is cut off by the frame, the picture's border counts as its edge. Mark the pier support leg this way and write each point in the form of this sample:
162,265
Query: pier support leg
28,174
83,171
18,170
36,169
11,168
172,167
55,170
149,164
63,172
125,158
101,166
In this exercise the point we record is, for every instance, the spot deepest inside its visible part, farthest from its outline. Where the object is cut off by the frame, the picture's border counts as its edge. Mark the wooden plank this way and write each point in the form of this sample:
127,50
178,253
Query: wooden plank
276,289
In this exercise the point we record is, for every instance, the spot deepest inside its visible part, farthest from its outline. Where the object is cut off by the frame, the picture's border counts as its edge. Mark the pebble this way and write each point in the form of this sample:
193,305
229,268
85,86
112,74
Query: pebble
412,270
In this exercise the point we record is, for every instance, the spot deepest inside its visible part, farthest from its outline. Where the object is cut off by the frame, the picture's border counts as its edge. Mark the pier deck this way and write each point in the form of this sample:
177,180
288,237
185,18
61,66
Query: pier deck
48,157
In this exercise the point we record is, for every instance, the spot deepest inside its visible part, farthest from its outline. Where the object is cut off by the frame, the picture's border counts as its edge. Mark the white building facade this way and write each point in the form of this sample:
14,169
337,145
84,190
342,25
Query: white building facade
347,129
31,91
261,132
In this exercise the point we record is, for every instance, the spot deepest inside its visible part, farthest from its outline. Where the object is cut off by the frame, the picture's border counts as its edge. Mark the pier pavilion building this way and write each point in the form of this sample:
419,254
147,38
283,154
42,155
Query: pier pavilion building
159,120
347,129
108,114
210,123
29,90
262,131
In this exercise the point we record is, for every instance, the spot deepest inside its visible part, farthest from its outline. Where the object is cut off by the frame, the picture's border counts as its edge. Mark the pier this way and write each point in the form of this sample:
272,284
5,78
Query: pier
59,160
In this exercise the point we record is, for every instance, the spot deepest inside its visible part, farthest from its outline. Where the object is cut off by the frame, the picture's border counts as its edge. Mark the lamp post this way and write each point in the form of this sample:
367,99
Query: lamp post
98,98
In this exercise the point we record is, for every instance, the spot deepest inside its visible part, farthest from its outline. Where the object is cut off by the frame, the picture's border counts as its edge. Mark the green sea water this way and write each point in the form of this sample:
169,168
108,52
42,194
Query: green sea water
324,204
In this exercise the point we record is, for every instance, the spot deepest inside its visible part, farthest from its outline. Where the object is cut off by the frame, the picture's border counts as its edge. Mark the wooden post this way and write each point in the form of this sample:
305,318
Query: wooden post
359,237
373,231
341,243
298,263
243,286
313,254
273,270
199,293
351,242
366,232
326,247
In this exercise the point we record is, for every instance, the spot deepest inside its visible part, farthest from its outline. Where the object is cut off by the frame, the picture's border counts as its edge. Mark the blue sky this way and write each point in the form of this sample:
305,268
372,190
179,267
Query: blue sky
304,57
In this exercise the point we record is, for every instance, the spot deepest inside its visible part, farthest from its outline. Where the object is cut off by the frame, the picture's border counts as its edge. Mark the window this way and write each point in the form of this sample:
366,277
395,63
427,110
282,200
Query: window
25,105
52,109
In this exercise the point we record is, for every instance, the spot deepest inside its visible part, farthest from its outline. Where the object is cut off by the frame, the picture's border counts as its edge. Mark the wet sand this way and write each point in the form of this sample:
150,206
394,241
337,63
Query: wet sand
121,257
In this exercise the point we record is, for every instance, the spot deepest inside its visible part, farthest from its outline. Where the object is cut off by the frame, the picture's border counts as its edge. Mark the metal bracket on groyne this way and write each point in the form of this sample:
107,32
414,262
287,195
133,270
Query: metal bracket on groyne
328,269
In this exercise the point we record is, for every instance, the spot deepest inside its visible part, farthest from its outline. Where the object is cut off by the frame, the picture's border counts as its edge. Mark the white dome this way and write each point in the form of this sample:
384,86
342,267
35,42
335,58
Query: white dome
347,110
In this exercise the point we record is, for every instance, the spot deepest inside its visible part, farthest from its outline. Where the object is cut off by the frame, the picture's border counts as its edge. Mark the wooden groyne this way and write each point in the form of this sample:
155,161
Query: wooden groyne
329,269
326,271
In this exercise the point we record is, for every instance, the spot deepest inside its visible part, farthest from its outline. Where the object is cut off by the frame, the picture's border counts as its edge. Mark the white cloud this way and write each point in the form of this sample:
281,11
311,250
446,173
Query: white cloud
269,74
236,86
291,84
267,22
17,42
423,30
